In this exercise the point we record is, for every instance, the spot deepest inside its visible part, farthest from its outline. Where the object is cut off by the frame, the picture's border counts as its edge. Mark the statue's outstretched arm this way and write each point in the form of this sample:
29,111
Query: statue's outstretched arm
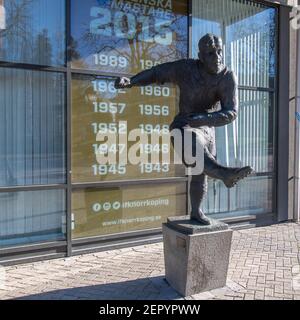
229,106
166,72
144,78
141,79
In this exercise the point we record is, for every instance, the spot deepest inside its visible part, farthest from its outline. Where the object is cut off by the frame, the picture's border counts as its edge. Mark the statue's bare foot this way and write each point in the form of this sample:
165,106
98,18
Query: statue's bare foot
234,175
200,217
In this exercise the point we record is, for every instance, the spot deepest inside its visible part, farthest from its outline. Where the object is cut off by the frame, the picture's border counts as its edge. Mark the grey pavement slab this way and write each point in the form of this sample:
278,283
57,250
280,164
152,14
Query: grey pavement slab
264,264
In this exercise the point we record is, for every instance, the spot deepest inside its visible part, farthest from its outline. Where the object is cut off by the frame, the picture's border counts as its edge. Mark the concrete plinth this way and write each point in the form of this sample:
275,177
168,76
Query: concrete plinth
196,256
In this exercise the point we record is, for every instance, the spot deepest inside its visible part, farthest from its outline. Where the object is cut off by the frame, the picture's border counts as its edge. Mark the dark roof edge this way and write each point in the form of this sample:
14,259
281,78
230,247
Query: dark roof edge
279,3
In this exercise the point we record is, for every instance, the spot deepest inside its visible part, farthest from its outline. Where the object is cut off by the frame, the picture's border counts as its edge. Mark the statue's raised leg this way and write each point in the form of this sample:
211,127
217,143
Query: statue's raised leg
198,185
230,176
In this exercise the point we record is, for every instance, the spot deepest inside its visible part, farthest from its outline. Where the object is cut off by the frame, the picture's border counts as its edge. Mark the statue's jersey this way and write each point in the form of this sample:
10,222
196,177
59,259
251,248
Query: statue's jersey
201,93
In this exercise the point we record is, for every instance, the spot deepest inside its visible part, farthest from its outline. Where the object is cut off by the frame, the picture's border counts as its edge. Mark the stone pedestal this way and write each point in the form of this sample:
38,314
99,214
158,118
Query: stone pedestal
196,256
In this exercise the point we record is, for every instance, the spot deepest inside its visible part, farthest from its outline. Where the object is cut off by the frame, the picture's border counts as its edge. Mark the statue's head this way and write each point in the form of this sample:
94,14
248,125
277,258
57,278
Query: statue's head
211,53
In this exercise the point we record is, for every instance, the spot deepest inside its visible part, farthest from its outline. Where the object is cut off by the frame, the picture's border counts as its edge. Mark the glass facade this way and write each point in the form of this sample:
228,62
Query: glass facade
127,36
96,106
32,126
249,32
51,185
33,122
33,31
32,216
122,209
113,38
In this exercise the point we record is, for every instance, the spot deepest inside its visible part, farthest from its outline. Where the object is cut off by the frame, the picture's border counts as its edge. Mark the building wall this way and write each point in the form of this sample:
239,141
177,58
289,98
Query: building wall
296,136
292,120
293,157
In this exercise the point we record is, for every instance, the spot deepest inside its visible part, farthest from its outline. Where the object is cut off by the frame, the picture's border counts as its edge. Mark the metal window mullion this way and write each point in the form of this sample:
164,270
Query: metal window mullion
282,115
32,188
190,55
69,138
123,183
97,73
252,88
296,209
29,66
190,30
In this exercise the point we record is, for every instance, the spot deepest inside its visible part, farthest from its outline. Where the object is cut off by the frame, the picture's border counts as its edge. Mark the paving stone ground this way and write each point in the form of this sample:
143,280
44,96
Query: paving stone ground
264,264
